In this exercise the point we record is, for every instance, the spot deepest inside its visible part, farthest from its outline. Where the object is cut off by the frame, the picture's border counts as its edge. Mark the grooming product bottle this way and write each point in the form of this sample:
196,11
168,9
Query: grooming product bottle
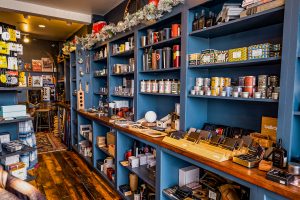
279,156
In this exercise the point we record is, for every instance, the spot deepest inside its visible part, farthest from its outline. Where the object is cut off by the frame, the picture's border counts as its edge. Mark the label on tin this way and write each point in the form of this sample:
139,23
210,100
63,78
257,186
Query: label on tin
257,52
206,58
237,54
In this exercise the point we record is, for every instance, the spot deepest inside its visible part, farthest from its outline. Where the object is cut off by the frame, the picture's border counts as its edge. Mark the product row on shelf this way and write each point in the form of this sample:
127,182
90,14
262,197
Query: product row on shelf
124,68
258,51
155,36
101,54
161,86
244,86
126,46
164,58
101,72
126,89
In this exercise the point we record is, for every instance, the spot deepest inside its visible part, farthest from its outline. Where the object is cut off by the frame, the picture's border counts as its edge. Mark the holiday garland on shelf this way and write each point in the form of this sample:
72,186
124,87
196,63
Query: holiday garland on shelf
148,13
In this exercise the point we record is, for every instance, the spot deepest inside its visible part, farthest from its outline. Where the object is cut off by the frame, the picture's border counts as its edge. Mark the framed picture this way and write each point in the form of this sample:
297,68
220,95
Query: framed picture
37,65
37,81
47,65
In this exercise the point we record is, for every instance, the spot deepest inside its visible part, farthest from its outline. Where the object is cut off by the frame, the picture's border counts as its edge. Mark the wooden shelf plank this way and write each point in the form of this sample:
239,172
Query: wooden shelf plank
234,98
266,62
262,19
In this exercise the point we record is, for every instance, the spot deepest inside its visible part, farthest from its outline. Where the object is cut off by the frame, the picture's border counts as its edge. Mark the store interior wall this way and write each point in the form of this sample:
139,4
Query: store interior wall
37,49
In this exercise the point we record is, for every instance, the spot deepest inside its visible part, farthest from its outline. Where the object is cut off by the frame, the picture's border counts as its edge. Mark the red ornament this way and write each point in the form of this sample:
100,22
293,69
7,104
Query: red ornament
155,2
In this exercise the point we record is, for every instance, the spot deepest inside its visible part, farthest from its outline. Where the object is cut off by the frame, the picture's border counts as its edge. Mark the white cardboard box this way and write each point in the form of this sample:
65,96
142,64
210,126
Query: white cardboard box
188,175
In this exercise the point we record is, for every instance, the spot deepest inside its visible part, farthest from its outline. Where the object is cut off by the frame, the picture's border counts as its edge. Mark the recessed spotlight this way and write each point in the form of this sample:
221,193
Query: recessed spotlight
69,23
26,16
42,26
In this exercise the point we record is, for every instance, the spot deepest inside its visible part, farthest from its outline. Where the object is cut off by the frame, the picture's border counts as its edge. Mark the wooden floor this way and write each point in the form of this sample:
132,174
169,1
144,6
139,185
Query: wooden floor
63,175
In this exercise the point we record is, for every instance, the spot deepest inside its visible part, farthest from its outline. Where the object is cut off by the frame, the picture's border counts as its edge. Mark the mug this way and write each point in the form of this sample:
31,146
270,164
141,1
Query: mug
235,94
257,95
223,93
275,95
245,94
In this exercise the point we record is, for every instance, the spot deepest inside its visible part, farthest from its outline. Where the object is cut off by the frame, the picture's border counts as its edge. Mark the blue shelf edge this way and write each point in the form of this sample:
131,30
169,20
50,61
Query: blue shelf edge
123,74
160,94
163,43
161,70
125,53
116,95
234,98
247,63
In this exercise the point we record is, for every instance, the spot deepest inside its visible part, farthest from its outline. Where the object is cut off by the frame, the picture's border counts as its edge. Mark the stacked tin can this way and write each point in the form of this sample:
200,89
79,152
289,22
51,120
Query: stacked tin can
160,86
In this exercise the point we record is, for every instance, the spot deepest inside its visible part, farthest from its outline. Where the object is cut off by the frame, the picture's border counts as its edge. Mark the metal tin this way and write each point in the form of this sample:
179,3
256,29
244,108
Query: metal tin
199,81
168,89
222,82
155,37
150,36
249,81
161,86
294,168
206,82
143,41
215,91
154,86
263,91
167,57
273,81
227,82
159,60
167,33
215,82
241,81
148,86
228,91
262,80
249,89
143,86
174,87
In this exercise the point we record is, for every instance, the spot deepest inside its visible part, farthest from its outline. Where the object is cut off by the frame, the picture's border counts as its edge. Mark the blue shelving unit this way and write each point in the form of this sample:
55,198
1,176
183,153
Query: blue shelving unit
279,25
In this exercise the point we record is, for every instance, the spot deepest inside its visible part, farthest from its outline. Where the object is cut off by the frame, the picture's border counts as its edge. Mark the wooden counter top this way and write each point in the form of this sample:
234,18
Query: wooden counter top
253,176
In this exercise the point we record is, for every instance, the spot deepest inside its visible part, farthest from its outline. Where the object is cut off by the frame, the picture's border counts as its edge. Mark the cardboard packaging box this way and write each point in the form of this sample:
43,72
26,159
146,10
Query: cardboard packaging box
188,175
269,127
13,111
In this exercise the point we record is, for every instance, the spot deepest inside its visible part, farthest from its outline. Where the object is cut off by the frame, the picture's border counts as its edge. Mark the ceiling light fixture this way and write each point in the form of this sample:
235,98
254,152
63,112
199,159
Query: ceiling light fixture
26,16
42,26
69,23
26,39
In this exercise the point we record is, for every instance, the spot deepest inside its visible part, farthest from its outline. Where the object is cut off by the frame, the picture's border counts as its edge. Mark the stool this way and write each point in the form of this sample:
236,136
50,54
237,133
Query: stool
38,121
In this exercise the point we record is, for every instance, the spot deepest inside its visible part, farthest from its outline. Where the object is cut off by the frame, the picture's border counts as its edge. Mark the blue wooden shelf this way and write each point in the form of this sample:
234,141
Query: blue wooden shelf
143,173
164,43
169,196
100,76
25,149
110,182
270,62
104,150
297,113
162,70
116,95
234,99
131,197
19,88
100,59
255,21
100,93
123,74
16,120
160,94
125,53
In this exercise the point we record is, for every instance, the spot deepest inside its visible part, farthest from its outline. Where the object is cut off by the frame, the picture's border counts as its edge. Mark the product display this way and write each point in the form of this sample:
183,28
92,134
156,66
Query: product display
101,54
126,89
244,87
259,51
160,86
126,46
124,68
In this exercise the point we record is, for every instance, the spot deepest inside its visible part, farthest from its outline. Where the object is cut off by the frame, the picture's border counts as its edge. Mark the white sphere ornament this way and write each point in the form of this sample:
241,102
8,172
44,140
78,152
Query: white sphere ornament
150,116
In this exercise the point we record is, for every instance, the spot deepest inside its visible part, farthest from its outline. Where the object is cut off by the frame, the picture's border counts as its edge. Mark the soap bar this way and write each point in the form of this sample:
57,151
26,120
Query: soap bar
238,54
259,51
221,56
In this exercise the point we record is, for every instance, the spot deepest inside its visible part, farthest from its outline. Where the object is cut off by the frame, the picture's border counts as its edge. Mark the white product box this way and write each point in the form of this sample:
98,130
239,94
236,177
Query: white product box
188,175
10,160
143,159
149,156
133,161
13,111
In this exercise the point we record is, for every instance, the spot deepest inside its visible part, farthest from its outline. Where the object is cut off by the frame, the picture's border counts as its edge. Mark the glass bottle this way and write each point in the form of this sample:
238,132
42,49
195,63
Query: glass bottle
195,22
201,21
